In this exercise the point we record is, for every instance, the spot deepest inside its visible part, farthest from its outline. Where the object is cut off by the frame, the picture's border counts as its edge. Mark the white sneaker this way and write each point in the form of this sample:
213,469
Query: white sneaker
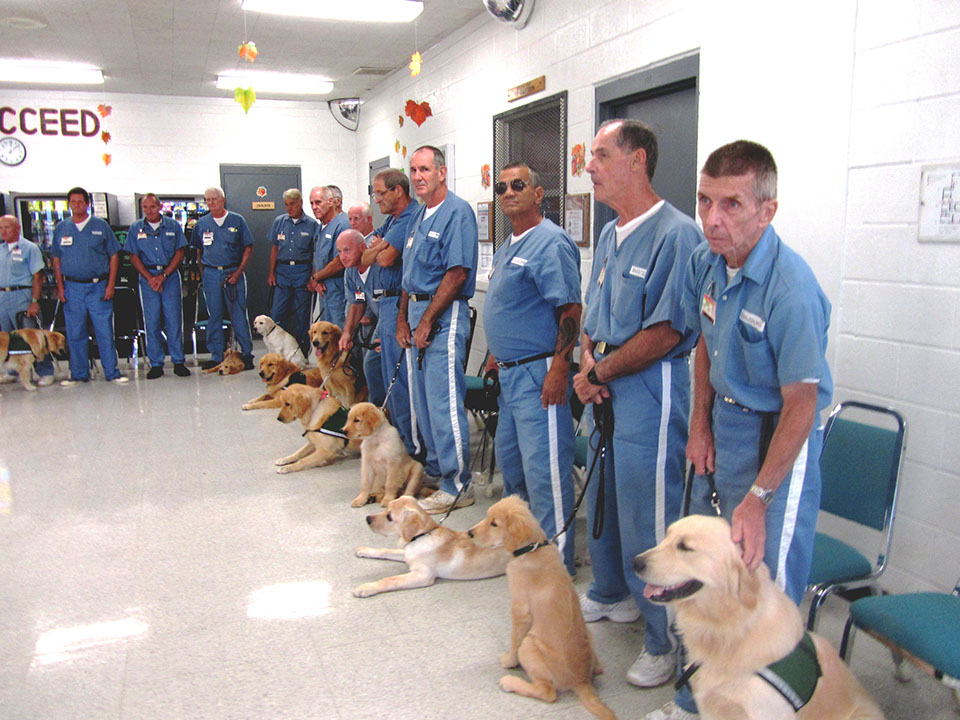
652,670
441,501
122,380
670,711
45,380
70,382
622,612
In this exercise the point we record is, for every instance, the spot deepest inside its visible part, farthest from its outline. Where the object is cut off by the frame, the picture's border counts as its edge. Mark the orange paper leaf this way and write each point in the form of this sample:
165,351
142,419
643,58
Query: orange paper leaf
400,120
396,146
418,112
107,158
248,51
404,150
104,110
415,64
105,136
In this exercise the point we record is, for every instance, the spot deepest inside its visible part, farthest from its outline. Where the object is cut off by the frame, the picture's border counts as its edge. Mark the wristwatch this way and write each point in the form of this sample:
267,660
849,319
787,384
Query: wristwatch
34,301
764,495
592,376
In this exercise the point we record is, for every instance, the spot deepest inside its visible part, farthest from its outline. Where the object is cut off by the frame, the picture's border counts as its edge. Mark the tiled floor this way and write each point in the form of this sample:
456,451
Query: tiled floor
155,566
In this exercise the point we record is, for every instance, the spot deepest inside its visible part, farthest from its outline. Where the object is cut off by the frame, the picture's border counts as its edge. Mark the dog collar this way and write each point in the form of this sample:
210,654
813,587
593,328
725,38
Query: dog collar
297,378
530,548
423,534
270,331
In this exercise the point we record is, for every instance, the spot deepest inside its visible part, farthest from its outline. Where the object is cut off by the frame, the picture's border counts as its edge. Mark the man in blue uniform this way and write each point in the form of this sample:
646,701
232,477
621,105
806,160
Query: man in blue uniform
361,220
439,277
225,246
327,279
634,352
760,374
155,244
85,262
531,318
291,256
391,191
21,280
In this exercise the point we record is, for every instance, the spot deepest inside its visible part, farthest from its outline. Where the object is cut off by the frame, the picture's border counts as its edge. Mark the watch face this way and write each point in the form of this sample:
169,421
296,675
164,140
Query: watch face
12,151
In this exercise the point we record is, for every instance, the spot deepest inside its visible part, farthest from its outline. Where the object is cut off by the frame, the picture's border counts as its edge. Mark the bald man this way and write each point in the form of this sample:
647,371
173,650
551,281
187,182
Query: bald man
21,280
361,217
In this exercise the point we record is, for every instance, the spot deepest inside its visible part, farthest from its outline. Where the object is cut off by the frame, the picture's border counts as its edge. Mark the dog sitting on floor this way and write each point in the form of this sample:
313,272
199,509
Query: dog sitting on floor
385,467
278,340
549,638
20,349
737,625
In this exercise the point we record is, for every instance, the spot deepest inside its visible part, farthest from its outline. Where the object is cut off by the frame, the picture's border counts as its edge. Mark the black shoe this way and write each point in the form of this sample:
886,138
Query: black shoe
180,370
155,372
248,363
207,364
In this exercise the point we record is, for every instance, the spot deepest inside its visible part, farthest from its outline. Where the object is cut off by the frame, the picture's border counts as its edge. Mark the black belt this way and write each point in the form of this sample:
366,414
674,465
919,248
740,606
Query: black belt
220,267
295,262
768,424
101,278
385,293
15,287
532,358
422,297
157,267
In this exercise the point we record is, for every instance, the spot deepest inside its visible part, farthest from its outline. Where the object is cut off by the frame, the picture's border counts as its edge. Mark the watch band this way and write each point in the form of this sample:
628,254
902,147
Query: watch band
592,376
764,495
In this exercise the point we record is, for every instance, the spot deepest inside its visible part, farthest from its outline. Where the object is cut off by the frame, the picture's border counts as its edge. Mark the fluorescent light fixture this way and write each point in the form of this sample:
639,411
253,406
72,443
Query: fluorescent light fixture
55,73
374,11
267,82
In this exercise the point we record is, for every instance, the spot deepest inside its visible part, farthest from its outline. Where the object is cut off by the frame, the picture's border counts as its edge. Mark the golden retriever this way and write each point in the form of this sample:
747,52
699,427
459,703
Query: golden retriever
231,365
278,373
312,407
734,623
430,550
332,364
385,466
40,343
549,638
278,340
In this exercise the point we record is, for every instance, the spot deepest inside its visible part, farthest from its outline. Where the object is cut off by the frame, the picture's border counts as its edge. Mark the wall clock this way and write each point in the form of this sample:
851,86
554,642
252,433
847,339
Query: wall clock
12,151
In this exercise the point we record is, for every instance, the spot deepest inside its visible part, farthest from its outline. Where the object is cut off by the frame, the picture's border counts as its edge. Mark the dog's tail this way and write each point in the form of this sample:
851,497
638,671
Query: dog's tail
591,701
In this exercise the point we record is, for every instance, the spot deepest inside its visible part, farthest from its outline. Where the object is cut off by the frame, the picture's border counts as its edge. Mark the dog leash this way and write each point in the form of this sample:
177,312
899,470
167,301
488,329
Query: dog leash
434,329
688,489
393,380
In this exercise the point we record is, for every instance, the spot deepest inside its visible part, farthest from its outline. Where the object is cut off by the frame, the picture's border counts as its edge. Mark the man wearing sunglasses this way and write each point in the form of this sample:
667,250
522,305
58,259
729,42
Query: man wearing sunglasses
531,318
439,277
634,351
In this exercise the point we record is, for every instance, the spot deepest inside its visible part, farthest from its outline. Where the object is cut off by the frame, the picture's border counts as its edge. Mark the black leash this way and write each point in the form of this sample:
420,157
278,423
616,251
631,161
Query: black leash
393,380
603,427
688,489
434,329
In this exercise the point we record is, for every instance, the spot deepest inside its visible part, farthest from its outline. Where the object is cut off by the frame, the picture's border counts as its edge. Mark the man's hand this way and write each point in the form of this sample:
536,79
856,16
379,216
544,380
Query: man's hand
108,292
365,320
403,333
33,310
272,280
421,336
555,386
156,282
586,390
61,295
700,449
346,342
320,288
234,277
750,526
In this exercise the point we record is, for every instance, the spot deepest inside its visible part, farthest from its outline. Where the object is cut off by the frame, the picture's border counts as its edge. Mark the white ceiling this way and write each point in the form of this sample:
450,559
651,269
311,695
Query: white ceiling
178,47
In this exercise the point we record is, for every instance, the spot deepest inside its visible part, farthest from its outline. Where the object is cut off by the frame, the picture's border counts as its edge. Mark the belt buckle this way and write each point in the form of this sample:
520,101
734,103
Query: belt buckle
95,280
602,347
501,365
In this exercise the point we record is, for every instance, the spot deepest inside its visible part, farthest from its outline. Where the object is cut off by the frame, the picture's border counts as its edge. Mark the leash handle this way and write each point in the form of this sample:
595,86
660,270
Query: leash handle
434,329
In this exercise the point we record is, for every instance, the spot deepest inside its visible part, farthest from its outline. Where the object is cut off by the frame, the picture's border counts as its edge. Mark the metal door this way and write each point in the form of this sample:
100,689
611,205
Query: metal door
256,192
375,167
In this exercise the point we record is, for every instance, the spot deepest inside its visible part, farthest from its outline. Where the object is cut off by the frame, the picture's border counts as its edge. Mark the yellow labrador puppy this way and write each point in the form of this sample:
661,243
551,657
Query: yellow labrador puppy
278,373
430,550
385,467
278,340
313,407
735,624
231,365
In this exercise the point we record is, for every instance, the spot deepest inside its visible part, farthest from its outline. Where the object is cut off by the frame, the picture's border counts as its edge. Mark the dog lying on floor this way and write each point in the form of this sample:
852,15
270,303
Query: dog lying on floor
278,340
344,383
29,345
231,365
385,467
315,410
549,638
278,373
429,549
736,624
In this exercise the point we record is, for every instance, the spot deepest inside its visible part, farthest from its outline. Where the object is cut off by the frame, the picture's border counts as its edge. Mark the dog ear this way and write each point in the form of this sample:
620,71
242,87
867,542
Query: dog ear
412,523
748,585
301,403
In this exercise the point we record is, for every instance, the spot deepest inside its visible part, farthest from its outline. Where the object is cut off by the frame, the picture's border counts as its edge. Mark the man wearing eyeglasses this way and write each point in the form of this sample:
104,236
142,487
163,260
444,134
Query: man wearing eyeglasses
439,277
327,278
634,351
531,318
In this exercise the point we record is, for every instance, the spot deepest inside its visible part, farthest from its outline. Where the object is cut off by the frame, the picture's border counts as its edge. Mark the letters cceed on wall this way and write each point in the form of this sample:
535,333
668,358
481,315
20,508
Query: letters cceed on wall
67,122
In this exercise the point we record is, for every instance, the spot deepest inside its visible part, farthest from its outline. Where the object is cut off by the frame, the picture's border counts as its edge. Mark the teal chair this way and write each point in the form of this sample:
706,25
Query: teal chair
860,465
921,627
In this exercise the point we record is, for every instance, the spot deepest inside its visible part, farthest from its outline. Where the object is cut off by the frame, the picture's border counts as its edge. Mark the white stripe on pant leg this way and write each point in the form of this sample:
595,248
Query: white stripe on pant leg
413,410
452,398
557,491
666,396
797,477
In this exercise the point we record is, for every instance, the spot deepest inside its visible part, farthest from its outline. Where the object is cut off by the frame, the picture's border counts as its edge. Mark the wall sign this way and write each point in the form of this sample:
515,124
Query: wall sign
263,205
940,203
66,122
528,88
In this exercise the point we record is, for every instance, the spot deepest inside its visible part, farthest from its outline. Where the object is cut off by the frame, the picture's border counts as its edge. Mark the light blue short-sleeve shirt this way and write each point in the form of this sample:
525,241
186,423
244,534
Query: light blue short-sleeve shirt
155,247
435,244
222,245
19,262
84,254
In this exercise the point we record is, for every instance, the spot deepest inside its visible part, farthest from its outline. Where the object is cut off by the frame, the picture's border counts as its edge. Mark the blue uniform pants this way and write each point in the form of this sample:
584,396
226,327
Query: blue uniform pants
438,391
163,309
213,291
86,299
291,302
792,514
11,303
371,371
334,307
643,488
403,414
535,450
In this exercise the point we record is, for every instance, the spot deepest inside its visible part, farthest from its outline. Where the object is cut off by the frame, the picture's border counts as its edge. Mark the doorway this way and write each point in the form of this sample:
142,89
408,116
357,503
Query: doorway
256,192
375,167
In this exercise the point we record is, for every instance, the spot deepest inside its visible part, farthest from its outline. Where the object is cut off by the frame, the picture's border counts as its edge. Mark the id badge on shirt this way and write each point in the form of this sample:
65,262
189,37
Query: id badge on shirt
208,238
708,308
603,271
409,242
66,241
281,237
16,255
359,296
141,235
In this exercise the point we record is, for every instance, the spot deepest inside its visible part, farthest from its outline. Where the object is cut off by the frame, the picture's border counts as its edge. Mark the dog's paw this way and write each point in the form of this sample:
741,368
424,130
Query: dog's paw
359,501
508,660
508,683
283,470
246,406
365,552
282,461
365,590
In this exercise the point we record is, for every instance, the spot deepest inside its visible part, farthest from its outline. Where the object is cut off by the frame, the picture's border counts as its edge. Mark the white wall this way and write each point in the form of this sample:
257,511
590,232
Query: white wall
832,89
167,144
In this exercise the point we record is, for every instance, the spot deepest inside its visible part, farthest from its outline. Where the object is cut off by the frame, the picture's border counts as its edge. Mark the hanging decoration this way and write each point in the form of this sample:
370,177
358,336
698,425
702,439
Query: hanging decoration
396,146
400,120
418,112
415,64
107,158
404,152
578,159
485,176
246,98
248,51
104,110
106,137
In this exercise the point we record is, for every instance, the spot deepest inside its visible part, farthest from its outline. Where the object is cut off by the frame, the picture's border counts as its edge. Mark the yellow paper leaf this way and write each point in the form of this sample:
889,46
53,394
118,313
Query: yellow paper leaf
396,146
107,158
246,98
415,63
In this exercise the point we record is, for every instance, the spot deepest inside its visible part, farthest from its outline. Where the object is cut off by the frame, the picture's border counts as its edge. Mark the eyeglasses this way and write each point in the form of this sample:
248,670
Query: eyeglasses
517,185
377,196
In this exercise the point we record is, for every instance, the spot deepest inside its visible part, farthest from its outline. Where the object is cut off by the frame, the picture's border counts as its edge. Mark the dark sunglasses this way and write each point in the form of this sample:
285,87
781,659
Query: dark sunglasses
517,185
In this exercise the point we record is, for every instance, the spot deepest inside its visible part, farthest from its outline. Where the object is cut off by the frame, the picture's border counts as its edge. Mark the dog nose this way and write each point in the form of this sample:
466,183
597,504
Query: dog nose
470,533
369,519
316,343
639,564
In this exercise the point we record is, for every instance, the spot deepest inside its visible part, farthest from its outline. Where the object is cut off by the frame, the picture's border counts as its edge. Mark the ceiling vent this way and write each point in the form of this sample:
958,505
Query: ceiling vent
379,71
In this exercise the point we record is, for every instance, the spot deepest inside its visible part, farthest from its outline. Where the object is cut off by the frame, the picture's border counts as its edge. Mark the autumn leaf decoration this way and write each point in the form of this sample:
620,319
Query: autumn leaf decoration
248,51
246,98
105,136
104,110
107,158
415,64
400,120
418,112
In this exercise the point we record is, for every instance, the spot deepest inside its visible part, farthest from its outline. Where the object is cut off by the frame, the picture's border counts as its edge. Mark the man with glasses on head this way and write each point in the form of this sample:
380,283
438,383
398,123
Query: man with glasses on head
531,318
361,220
327,278
155,244
291,255
439,277
225,246
85,261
